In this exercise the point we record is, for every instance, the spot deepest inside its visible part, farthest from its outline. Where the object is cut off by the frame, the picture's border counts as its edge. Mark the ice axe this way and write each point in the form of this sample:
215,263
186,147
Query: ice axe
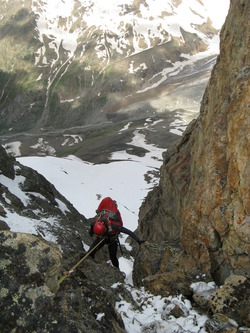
66,274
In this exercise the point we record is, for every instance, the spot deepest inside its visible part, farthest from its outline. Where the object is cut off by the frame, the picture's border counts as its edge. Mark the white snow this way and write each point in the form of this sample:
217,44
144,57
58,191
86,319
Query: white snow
217,11
100,316
61,206
177,67
154,312
69,137
58,20
13,148
18,223
44,146
14,187
200,287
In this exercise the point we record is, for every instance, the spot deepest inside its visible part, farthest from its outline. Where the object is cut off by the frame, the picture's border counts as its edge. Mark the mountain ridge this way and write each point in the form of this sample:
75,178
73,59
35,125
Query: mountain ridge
61,74
59,80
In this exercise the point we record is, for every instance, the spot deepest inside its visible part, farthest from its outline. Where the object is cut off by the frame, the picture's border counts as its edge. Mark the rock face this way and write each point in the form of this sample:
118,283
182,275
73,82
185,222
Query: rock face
201,204
30,297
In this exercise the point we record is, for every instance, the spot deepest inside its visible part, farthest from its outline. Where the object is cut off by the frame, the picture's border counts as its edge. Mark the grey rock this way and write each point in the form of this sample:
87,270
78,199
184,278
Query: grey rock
31,298
220,323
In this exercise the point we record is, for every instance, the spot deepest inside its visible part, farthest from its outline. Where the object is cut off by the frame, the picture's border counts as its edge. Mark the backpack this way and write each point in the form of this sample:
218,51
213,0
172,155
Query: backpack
109,218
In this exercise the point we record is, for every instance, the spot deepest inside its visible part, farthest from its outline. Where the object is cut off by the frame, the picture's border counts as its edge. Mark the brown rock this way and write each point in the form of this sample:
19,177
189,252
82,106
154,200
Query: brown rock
164,268
166,284
202,200
220,323
177,312
232,299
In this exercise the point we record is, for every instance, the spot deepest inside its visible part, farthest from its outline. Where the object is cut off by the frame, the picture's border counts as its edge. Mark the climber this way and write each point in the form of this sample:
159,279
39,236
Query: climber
108,224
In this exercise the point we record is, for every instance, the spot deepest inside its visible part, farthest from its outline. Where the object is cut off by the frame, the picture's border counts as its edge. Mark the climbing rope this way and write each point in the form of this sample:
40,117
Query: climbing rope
66,274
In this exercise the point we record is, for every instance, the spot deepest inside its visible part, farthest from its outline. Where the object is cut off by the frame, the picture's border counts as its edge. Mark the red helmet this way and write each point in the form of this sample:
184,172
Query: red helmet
99,228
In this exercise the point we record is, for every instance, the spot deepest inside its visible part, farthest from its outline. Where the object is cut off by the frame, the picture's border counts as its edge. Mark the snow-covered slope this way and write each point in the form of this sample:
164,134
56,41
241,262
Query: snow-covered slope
122,25
77,63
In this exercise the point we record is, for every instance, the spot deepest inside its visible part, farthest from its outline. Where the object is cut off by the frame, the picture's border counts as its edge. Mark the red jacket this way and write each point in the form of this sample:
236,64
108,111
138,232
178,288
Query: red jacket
109,204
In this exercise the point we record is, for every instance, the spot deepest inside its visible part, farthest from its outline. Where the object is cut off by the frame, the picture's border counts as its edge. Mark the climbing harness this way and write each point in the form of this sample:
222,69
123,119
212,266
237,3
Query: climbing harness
66,274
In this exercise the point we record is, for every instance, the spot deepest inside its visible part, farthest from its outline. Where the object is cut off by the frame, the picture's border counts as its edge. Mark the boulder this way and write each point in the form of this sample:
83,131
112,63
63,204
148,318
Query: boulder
232,299
220,323
32,300
29,269
202,292
166,268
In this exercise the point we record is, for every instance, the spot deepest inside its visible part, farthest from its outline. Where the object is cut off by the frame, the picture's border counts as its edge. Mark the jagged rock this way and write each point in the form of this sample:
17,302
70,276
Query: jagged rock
161,327
220,323
29,275
177,312
30,265
30,297
148,258
202,292
6,164
232,299
2,211
29,260
39,201
166,284
202,198
165,268
4,226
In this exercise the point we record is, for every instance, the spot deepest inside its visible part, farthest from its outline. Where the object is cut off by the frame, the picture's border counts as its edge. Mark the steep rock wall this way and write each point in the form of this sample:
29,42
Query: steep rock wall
202,201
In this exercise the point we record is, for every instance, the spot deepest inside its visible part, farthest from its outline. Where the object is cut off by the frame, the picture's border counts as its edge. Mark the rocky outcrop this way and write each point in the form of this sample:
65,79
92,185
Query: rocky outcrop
6,164
26,196
202,201
31,299
232,299
30,259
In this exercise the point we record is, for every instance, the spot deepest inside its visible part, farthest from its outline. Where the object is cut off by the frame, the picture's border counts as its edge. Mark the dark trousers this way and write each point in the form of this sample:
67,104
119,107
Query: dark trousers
112,246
